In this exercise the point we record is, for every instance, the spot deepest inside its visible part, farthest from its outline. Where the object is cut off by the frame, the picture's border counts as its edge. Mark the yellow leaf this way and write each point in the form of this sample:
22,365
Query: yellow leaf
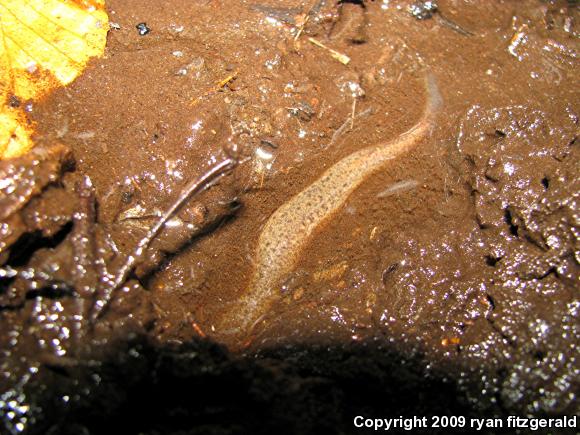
15,134
44,44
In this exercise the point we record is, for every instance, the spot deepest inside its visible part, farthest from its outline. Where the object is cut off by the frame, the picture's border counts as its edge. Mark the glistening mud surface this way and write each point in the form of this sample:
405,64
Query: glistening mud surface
449,278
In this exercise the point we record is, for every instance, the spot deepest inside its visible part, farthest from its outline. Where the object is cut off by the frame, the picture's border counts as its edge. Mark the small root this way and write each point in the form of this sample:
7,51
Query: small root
349,122
193,188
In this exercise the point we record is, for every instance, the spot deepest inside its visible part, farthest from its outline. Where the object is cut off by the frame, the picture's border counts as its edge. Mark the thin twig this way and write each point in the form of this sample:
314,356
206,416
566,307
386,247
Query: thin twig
342,58
301,28
399,187
453,25
315,4
340,130
191,189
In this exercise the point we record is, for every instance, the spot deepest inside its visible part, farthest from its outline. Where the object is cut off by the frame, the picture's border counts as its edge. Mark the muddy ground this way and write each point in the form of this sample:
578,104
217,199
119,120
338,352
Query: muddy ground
447,283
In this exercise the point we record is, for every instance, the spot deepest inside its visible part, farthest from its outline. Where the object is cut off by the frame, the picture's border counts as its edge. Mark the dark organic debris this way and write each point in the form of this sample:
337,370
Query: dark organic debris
423,9
143,29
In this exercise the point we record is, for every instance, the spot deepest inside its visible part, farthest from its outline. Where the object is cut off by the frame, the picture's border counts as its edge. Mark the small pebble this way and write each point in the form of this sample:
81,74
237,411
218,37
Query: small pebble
143,29
423,9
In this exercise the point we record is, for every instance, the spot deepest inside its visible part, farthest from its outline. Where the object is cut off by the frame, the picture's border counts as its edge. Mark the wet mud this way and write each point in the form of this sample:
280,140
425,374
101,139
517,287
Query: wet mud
447,277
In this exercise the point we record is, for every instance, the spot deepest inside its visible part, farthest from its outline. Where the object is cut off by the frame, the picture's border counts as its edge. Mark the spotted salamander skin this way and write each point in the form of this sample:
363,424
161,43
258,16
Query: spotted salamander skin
289,228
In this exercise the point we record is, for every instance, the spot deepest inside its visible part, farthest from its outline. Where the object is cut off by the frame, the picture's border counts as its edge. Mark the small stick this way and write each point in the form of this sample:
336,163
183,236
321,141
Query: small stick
227,81
191,189
198,330
399,187
218,87
342,58
340,130
315,5
301,28
453,25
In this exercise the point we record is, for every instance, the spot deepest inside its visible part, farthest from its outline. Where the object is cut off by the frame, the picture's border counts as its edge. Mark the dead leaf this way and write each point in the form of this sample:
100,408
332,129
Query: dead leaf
44,44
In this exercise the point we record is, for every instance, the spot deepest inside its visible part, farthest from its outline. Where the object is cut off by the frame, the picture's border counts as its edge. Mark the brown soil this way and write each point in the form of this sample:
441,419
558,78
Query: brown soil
460,255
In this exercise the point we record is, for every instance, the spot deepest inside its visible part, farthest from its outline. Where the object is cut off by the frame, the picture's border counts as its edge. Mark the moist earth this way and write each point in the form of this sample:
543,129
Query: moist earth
446,285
